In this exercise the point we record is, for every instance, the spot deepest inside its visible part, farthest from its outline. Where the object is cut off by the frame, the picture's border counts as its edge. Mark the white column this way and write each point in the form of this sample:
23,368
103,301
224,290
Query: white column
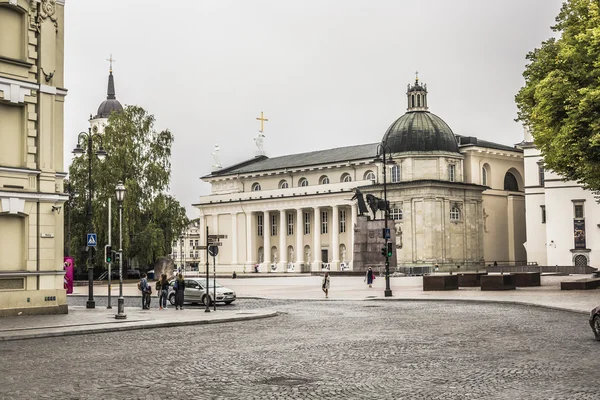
316,250
234,249
350,249
282,242
267,241
249,241
335,238
299,234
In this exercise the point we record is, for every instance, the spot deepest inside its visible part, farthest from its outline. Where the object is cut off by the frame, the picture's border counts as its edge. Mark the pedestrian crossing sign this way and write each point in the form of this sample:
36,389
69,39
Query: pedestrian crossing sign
92,240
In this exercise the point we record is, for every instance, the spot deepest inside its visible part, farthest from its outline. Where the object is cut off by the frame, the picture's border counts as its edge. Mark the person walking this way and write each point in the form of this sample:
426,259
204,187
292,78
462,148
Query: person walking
370,277
325,284
163,291
179,289
144,288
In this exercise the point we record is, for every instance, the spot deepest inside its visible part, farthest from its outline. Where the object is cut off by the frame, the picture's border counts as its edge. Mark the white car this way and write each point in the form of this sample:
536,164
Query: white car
195,292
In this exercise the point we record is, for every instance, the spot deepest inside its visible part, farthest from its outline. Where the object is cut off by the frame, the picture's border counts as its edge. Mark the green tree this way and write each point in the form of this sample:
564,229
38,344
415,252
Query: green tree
139,156
560,102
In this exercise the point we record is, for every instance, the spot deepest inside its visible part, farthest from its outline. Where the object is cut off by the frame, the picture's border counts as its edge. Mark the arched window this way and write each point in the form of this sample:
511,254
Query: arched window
12,33
370,176
396,214
455,213
283,184
324,180
484,176
256,187
418,100
412,98
580,260
395,173
303,182
510,183
346,178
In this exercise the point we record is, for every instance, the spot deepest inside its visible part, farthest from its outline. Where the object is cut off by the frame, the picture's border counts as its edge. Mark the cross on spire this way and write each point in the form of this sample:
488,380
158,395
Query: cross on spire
262,120
417,76
111,60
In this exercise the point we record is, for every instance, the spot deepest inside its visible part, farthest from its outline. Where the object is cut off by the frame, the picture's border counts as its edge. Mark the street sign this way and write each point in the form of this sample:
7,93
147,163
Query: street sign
92,240
213,250
217,236
386,233
215,243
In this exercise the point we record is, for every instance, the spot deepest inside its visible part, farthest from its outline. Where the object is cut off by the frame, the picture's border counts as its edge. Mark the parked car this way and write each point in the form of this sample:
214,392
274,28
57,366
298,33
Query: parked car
595,322
133,274
195,292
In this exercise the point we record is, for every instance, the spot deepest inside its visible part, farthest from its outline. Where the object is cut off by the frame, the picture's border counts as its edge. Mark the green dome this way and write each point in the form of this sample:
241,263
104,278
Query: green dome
420,131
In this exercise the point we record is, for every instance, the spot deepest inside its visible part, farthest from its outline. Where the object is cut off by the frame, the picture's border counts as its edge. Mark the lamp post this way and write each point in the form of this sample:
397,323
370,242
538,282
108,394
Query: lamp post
120,193
381,153
180,252
101,154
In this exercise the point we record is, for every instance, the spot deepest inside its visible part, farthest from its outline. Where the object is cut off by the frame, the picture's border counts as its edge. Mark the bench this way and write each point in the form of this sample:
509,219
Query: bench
470,279
525,279
581,284
440,282
498,282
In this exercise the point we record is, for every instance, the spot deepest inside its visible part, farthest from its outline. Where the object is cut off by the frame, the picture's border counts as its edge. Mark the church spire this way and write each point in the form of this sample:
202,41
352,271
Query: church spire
110,94
417,96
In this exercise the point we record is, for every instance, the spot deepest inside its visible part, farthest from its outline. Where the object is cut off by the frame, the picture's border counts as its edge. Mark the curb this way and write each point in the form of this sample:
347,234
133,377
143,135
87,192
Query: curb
137,327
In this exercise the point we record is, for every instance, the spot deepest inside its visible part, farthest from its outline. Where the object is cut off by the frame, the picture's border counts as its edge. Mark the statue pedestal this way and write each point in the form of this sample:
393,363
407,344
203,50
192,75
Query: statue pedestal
368,242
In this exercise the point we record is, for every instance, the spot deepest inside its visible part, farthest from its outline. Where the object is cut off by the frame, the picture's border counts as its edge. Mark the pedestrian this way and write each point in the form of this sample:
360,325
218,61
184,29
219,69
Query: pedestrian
370,277
144,287
179,289
325,284
164,292
157,286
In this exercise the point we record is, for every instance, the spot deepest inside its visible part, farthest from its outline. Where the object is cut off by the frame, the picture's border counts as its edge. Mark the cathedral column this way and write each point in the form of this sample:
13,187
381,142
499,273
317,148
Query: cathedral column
249,237
282,241
316,250
267,241
299,233
335,238
353,222
234,248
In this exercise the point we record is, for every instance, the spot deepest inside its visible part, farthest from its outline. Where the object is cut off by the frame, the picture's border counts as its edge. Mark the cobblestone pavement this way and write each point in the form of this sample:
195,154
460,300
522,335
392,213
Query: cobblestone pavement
322,350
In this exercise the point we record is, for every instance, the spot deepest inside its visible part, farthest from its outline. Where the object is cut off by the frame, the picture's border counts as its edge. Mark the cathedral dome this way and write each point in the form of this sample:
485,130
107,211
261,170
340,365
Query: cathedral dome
111,103
418,129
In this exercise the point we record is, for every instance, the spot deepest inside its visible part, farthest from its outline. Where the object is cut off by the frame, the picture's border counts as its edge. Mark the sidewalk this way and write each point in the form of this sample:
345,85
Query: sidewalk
80,321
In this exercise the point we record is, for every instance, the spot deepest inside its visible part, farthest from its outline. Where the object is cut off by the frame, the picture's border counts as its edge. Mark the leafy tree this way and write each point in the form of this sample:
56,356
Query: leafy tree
560,102
139,156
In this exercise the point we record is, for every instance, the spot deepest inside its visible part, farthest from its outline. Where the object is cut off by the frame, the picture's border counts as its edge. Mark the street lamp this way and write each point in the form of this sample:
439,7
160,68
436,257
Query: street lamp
382,150
180,252
101,154
120,193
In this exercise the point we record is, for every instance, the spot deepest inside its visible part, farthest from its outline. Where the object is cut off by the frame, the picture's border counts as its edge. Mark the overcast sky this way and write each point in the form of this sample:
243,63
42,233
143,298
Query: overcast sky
326,73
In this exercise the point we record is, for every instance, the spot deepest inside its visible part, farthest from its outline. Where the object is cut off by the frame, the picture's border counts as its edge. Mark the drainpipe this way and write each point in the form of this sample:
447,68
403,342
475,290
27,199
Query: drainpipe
38,125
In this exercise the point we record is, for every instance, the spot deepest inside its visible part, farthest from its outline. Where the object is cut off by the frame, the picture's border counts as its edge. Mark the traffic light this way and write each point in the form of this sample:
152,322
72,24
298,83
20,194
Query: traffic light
383,251
117,256
389,249
108,253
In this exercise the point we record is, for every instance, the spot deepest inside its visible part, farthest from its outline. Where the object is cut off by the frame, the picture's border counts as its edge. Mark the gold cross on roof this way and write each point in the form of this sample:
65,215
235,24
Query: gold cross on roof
262,120
416,76
111,60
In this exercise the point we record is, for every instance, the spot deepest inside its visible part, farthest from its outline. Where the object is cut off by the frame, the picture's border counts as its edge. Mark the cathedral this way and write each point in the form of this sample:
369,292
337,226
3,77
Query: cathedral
454,200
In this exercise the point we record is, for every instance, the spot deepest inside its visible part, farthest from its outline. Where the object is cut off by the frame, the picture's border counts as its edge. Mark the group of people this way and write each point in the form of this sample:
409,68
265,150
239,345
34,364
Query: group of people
369,278
162,291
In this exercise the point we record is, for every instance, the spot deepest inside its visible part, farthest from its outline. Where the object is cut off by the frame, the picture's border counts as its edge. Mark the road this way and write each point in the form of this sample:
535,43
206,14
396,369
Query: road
322,350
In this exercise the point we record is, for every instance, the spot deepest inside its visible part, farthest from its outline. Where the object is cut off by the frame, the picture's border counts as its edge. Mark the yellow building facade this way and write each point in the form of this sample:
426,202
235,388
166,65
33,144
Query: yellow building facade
32,99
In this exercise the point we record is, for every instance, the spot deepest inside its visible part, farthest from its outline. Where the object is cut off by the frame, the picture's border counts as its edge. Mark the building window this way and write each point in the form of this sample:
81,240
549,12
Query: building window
395,173
259,225
273,225
12,37
369,176
307,223
579,225
541,174
324,222
290,224
256,187
451,172
510,183
303,182
543,214
191,254
324,180
578,211
283,184
191,243
581,260
396,214
196,254
346,178
174,254
196,242
455,213
342,221
483,176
